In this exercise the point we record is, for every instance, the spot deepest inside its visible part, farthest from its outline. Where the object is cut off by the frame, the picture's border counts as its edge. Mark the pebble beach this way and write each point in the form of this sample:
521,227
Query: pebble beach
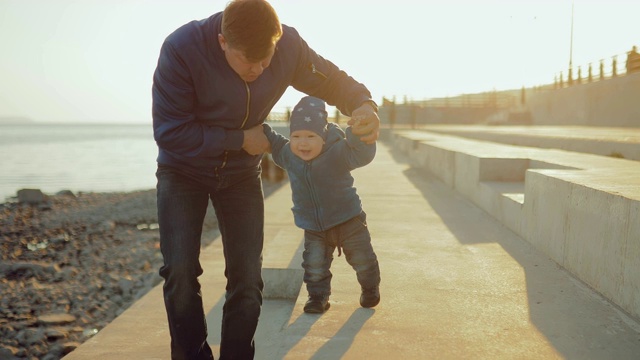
73,263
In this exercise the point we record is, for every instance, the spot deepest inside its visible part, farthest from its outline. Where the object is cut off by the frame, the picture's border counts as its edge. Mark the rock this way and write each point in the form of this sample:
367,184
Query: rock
89,332
56,319
31,196
69,347
51,356
28,269
28,337
43,206
124,287
37,351
117,299
60,239
67,193
55,334
8,352
104,226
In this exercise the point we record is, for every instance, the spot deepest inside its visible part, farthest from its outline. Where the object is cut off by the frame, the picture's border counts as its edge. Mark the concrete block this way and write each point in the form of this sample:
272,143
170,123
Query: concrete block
282,283
439,162
467,170
488,198
537,164
416,155
403,143
597,238
495,174
419,155
502,169
629,291
545,212
512,212
503,200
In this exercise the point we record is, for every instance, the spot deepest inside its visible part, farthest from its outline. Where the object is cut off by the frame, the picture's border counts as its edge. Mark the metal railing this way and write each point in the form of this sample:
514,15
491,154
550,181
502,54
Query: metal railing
491,99
278,117
275,116
616,65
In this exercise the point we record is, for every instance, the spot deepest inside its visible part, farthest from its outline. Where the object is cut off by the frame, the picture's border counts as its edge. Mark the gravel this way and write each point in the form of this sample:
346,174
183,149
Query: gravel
72,264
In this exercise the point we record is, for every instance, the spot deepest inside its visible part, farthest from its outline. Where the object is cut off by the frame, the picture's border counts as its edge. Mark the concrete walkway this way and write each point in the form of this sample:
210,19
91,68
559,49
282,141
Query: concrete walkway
456,284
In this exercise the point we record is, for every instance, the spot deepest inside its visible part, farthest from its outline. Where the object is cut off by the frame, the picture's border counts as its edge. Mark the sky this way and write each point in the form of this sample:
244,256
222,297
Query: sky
92,60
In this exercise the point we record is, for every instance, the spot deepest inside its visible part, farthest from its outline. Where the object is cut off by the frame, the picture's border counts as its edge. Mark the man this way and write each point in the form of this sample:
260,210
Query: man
216,81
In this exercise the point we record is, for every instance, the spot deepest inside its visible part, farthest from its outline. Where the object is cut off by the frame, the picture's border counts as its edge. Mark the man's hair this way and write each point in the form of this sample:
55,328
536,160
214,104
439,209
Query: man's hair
251,26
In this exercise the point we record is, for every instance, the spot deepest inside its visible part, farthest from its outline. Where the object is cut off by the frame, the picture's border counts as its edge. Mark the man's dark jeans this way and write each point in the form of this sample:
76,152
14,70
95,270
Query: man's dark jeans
239,205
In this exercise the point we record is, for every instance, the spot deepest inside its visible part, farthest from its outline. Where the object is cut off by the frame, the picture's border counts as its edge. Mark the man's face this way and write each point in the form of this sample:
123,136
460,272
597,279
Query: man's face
247,70
306,144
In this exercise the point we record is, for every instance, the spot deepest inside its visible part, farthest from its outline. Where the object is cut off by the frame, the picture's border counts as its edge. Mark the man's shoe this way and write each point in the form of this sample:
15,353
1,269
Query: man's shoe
317,304
370,297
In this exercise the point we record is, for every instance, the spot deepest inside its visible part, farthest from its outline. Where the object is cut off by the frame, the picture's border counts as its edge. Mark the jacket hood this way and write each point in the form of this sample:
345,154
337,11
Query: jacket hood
334,134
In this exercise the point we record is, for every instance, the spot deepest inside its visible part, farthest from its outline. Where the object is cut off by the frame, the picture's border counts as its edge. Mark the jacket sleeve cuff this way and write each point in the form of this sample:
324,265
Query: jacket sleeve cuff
354,140
372,103
233,140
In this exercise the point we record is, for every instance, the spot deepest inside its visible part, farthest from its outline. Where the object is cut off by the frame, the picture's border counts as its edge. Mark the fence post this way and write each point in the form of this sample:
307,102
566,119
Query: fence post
579,80
614,65
590,73
601,69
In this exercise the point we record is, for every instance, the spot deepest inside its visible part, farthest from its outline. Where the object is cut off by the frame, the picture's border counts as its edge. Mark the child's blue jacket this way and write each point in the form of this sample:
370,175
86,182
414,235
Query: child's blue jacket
322,189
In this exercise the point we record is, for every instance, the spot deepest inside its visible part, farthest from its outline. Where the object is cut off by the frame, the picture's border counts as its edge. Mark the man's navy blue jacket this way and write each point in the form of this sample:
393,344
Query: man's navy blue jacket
201,106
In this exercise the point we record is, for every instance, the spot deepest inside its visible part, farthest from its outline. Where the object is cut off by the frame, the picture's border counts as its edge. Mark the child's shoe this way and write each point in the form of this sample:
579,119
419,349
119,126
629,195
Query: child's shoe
317,304
370,297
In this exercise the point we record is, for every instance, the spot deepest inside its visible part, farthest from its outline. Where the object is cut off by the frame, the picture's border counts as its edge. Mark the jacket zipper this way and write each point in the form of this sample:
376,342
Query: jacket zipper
313,194
244,122
316,71
246,117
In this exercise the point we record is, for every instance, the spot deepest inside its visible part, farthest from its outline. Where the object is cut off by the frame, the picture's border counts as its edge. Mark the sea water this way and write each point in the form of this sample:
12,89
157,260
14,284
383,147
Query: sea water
76,157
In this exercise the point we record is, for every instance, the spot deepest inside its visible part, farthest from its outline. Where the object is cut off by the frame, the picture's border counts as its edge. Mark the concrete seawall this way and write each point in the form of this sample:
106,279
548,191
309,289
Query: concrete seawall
581,210
612,102
606,103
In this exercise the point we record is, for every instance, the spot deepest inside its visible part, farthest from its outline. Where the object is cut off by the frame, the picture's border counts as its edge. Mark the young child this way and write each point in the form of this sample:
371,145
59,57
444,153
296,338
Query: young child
318,160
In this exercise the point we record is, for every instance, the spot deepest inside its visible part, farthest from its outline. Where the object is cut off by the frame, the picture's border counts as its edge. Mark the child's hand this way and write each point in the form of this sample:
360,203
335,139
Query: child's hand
366,123
356,122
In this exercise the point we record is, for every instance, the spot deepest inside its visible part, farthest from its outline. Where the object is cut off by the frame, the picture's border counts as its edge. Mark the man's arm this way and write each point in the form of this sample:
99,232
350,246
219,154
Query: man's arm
319,77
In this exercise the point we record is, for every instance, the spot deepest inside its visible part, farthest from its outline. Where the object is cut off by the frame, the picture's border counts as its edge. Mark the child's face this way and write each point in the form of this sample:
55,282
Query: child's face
306,144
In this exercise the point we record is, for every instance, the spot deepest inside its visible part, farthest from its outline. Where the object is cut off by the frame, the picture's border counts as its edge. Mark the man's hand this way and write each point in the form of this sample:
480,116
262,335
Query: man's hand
255,142
365,121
